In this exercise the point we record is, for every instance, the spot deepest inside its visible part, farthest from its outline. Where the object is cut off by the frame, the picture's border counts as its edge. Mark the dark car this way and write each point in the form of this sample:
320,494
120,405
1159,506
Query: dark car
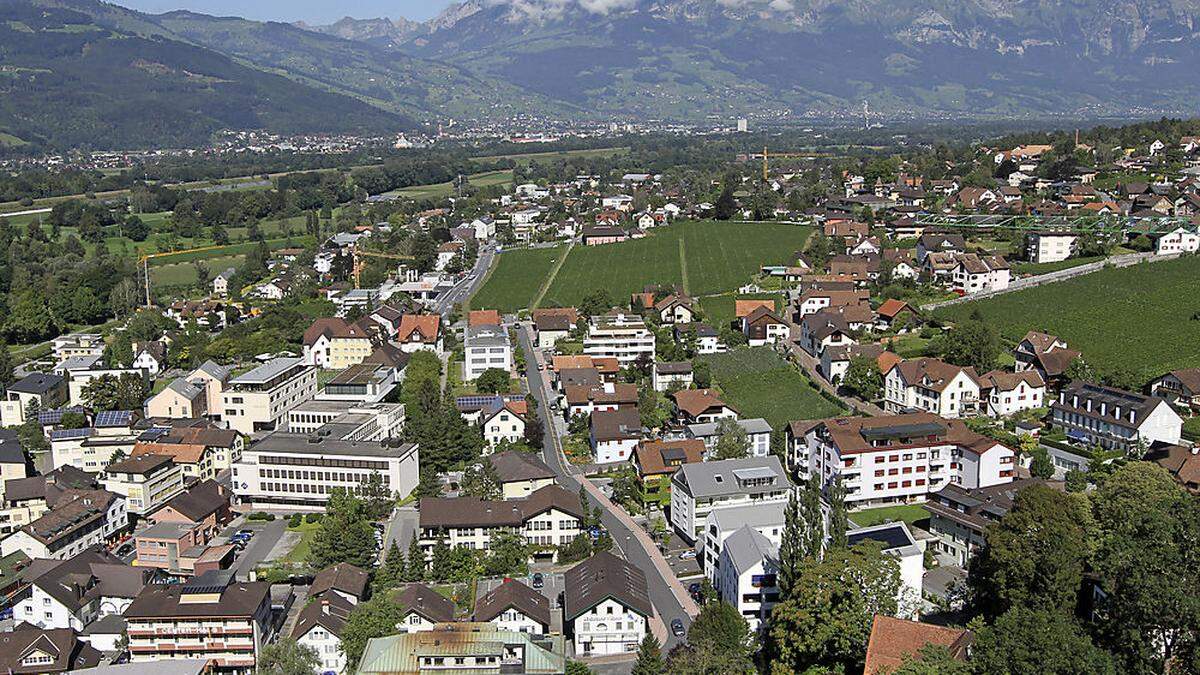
694,587
124,550
677,628
538,580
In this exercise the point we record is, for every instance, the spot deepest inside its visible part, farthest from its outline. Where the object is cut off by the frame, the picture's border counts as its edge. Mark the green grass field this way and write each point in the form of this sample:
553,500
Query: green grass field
440,190
541,156
1043,268
909,513
724,256
760,383
719,309
621,269
1139,321
518,276
7,139
184,274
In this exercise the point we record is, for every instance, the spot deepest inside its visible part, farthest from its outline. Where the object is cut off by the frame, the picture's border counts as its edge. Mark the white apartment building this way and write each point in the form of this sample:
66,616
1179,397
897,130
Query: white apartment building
896,540
1003,393
319,627
606,607
77,591
699,489
258,400
300,471
765,518
89,449
933,386
973,273
748,569
758,433
545,519
486,347
1114,418
622,336
1047,247
1179,240
900,459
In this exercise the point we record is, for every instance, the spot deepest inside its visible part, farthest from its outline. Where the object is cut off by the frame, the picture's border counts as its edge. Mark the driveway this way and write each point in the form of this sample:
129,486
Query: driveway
266,536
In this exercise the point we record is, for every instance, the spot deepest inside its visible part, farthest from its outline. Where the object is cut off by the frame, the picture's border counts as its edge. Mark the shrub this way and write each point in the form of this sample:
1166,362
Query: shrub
295,520
312,518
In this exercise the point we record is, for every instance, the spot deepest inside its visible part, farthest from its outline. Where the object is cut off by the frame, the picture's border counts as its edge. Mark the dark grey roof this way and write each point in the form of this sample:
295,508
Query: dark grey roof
727,477
36,383
10,447
517,466
342,577
1113,399
426,602
516,595
601,577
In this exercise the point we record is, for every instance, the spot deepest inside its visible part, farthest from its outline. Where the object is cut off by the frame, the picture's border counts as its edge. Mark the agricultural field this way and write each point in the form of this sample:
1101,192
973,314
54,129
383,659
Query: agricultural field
516,279
1135,323
184,273
621,269
439,190
760,383
705,257
1028,268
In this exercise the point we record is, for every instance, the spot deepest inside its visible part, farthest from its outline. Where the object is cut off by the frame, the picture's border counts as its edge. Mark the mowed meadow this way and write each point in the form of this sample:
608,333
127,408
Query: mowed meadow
703,257
1140,321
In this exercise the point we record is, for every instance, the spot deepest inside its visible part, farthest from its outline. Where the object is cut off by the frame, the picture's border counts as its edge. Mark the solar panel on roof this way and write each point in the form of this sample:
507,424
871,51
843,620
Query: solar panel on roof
70,434
674,454
890,537
113,418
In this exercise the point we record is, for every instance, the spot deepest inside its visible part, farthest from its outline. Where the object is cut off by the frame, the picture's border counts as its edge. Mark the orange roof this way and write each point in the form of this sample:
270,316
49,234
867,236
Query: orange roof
887,360
651,460
743,308
605,365
892,639
695,402
483,317
891,307
424,326
182,453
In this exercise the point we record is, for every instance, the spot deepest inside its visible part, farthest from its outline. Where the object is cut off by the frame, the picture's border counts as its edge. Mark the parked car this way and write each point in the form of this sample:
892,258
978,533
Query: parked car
677,628
248,534
687,555
124,549
538,580
694,588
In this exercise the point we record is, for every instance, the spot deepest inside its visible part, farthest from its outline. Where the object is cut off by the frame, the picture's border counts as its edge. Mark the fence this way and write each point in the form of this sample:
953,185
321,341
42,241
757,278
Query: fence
1118,261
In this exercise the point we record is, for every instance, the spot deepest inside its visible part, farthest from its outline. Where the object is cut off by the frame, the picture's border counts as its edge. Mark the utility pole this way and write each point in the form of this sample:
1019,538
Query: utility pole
766,175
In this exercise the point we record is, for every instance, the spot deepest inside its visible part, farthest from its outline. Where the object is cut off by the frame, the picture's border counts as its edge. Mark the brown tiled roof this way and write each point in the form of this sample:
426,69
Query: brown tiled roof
891,307
1190,379
213,438
424,325
330,611
601,577
199,501
694,402
62,644
387,354
664,457
892,639
142,464
74,510
614,425
671,301
570,313
847,432
764,315
579,377
439,512
1181,462
342,577
334,327
1056,362
483,317
743,308
237,600
622,393
1040,341
183,453
933,374
516,595
1006,381
426,602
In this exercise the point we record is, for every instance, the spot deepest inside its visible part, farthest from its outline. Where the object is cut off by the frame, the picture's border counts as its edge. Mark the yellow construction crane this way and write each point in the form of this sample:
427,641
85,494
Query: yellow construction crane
358,262
144,261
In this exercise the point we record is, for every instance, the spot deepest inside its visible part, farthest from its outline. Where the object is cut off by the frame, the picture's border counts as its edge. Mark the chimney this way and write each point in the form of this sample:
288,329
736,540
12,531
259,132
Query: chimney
324,606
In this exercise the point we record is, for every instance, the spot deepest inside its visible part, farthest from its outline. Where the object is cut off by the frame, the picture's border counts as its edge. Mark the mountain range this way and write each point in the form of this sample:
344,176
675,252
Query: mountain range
87,73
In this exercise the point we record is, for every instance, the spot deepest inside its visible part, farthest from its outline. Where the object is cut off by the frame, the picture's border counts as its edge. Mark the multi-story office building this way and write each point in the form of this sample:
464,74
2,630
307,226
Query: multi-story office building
258,401
624,337
300,471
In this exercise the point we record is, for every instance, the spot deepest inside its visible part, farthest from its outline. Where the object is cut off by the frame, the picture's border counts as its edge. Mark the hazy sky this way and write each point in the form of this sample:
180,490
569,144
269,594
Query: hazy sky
312,11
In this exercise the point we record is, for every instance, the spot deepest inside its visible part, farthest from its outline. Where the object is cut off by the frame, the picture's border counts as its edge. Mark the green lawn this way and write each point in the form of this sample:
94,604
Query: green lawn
517,277
760,383
724,256
621,269
7,139
1135,323
719,309
299,553
184,274
909,513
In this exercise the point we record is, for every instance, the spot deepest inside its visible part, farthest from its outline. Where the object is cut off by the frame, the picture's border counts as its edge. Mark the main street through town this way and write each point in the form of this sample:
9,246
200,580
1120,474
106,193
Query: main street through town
662,594
470,283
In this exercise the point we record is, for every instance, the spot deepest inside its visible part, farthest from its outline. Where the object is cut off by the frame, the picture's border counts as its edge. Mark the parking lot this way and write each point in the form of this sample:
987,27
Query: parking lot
683,568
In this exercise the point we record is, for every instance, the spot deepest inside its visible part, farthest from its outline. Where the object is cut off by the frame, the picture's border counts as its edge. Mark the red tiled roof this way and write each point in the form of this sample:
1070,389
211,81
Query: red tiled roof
426,326
892,639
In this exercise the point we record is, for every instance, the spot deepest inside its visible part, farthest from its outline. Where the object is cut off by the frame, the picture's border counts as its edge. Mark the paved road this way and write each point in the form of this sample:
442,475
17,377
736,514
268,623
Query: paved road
465,289
662,596
400,528
809,364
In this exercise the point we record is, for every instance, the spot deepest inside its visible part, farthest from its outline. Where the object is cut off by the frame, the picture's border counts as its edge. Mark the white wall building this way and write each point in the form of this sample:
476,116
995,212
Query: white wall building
699,489
606,607
622,336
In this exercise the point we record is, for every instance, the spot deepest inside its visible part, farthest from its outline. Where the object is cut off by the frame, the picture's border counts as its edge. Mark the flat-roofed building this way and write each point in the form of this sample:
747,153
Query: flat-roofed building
486,347
259,400
624,337
299,471
146,482
362,383
464,647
